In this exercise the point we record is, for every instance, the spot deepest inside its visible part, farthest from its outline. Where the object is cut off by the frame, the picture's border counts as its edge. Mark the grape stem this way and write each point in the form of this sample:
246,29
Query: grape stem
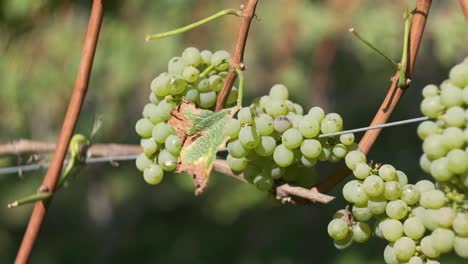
241,87
196,24
402,81
374,48
40,196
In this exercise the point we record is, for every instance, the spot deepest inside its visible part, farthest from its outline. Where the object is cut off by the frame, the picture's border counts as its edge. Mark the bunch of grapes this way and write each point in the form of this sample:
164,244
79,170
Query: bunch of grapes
195,76
272,141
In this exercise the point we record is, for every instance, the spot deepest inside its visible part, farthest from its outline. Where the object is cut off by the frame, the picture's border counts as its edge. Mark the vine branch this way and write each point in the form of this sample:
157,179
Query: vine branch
464,7
238,55
393,95
69,123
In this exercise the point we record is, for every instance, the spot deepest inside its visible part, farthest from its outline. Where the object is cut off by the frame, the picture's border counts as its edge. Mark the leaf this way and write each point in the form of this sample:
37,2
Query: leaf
202,134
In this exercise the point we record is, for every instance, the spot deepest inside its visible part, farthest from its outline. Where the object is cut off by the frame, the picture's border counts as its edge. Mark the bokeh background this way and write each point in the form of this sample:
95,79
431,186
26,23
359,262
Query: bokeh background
109,214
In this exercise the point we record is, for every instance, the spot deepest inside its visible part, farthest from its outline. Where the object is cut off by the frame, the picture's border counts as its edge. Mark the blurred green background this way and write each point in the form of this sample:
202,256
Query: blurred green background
110,215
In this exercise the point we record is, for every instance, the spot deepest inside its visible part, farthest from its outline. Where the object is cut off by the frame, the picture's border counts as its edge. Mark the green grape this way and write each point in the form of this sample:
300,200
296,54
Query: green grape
361,232
216,83
279,92
264,124
205,56
344,243
353,158
446,215
153,98
173,144
450,95
292,138
440,169
414,228
153,174
458,75
311,148
192,56
417,260
167,161
397,209
402,178
377,204
340,151
264,101
325,154
220,59
433,199
192,95
434,147
281,124
276,108
276,171
160,85
165,108
309,127
404,248
161,131
266,147
392,190
249,137
358,195
263,183
432,261
348,189
190,74
390,256
331,123
148,146
203,85
392,229
347,139
176,65
142,162
460,224
316,113
294,119
431,106
443,240
232,128
453,138
236,149
251,172
428,128
298,109
465,95
308,162
177,85
409,194
455,116
424,186
236,164
152,112
361,171
425,163
457,161
373,185
387,172
429,219
338,229
283,156
460,246
362,212
144,128
430,90
207,100
245,116
427,248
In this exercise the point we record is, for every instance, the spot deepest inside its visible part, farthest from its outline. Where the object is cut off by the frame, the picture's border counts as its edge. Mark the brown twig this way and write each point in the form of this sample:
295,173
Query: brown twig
238,55
391,99
464,7
71,117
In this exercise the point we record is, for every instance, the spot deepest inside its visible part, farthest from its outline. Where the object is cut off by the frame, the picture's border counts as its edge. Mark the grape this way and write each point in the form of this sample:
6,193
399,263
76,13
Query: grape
216,83
432,261
277,171
294,119
387,172
331,123
263,183
236,164
425,163
192,56
192,95
167,161
442,240
455,116
417,260
358,195
440,169
427,248
424,186
165,109
338,229
291,138
410,194
325,154
264,124
402,178
152,112
279,92
245,116
460,246
392,190
390,256
414,228
283,156
392,229
177,85
450,95
353,158
397,209
161,131
250,172
446,215
347,139
344,243
142,162
340,151
232,128
281,124
430,219
311,148
431,106
377,205
191,74
404,248
361,232
298,109
207,100
276,108
309,127
236,149
308,162
361,213
432,199
373,185
149,146
220,59
266,147
465,95
348,189
460,224
205,56
458,75
144,127
316,113
361,171
153,174
203,85
428,128
160,85
453,138
457,161
173,144
249,137
430,90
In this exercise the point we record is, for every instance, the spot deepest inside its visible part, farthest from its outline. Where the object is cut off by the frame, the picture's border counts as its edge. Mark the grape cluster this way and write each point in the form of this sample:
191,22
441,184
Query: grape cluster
415,219
272,141
195,76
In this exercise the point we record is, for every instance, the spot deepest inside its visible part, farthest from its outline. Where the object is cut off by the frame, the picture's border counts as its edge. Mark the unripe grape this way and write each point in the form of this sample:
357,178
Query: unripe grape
279,92
338,229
